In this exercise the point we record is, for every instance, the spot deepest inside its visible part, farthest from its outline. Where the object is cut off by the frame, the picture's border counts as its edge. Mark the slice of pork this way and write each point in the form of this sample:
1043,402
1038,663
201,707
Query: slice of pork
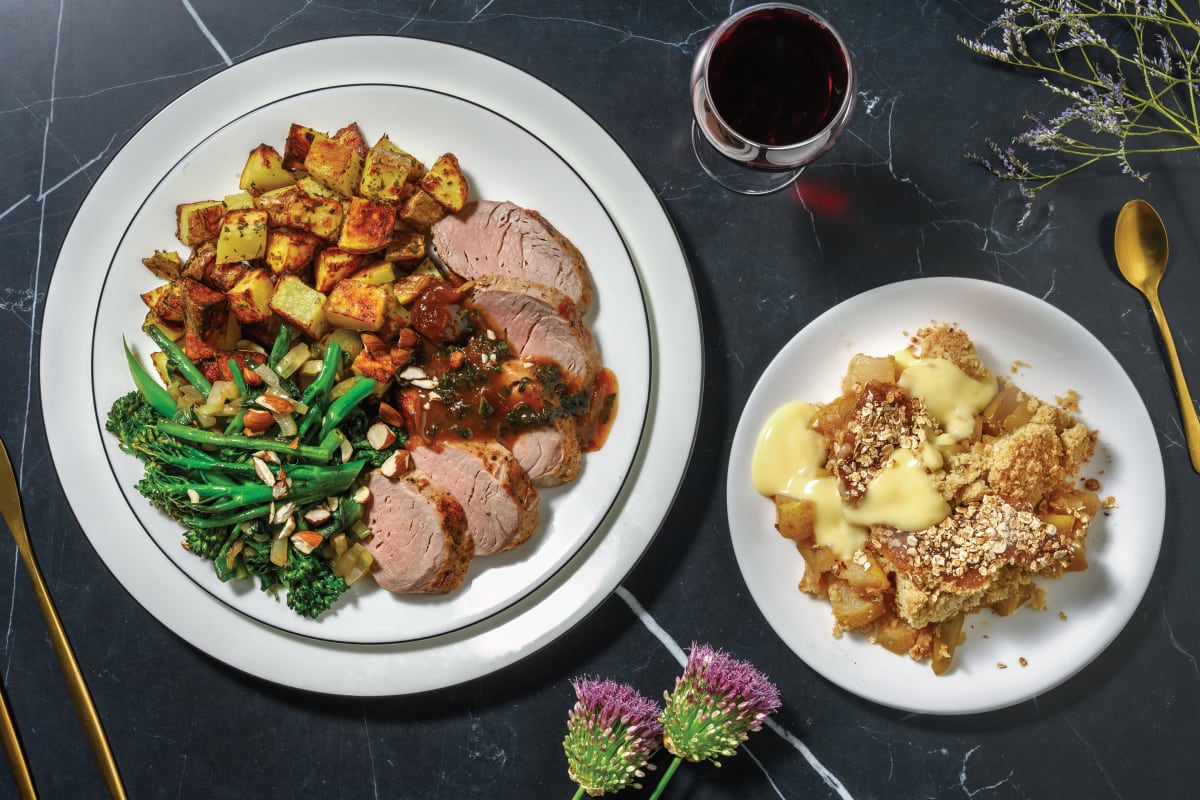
419,535
497,496
541,324
488,238
550,454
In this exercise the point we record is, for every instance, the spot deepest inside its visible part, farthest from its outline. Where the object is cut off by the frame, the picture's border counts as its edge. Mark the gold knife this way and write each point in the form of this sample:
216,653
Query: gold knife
14,514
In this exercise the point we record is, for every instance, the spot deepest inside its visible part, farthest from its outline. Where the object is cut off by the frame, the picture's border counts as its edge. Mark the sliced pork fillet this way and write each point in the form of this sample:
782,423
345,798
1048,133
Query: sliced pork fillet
497,496
541,324
419,537
550,454
488,238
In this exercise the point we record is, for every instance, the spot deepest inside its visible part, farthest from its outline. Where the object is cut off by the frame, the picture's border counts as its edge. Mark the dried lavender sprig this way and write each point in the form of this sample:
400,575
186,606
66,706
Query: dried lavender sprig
1122,99
612,732
716,704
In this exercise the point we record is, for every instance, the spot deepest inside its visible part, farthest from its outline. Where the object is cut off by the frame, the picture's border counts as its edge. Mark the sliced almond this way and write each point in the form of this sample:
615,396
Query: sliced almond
263,471
411,374
423,383
276,403
257,420
288,527
193,496
283,512
307,541
317,516
390,415
362,494
396,464
346,449
380,436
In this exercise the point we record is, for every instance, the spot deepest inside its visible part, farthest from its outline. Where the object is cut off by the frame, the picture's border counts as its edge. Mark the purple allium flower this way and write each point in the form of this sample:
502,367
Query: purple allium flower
716,704
612,732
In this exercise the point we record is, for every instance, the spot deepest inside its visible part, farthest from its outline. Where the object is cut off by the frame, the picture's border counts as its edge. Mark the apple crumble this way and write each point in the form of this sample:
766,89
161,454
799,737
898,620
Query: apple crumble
929,489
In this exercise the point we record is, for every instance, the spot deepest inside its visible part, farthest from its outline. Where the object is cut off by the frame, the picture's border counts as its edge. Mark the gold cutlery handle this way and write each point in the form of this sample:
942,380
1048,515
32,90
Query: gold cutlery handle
15,752
1187,411
14,514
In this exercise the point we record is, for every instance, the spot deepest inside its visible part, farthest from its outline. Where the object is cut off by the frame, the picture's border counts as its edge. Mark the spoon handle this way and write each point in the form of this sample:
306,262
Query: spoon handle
1187,411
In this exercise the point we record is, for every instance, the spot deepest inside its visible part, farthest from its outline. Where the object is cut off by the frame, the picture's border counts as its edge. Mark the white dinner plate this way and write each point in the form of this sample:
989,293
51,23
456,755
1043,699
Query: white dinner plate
1052,355
518,140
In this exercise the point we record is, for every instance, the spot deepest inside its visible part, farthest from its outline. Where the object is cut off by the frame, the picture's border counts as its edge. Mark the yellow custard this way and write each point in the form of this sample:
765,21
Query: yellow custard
952,396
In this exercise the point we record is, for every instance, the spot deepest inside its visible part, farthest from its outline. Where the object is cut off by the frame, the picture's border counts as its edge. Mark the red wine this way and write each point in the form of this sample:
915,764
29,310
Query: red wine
778,77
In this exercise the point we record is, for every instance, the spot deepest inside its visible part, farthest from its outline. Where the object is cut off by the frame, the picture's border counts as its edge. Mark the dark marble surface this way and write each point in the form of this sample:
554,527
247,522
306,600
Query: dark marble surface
78,79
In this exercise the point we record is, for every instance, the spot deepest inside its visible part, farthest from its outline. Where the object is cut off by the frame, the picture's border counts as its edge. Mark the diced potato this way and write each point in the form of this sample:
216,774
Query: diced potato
239,201
199,261
290,250
243,236
367,226
166,264
172,330
335,164
295,148
851,611
332,265
275,203
356,305
315,188
795,519
389,173
352,135
250,297
374,363
198,222
348,340
223,276
864,369
408,288
319,215
153,297
205,311
301,305
419,211
228,339
264,171
446,183
406,249
162,365
379,273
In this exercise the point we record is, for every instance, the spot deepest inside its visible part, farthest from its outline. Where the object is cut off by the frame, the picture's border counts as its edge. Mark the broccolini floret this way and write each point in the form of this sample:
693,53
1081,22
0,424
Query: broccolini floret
312,586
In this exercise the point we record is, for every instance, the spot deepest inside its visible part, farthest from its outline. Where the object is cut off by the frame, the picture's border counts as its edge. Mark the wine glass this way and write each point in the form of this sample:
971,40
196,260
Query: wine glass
772,89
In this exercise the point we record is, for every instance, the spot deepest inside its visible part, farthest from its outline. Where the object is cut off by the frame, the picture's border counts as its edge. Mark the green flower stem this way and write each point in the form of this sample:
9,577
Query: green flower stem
666,778
578,794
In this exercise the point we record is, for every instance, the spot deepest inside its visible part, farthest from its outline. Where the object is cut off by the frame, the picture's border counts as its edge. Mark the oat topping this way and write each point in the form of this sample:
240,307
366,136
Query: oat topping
885,419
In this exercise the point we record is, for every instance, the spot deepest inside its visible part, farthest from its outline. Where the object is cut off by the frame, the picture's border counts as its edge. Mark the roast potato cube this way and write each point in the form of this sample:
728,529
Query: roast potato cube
356,305
406,249
378,274
275,203
199,261
352,135
166,264
290,250
295,148
264,171
315,188
250,297
222,276
319,215
300,304
332,265
228,339
198,222
367,226
389,173
165,302
336,165
238,201
446,183
243,236
205,311
419,211
374,363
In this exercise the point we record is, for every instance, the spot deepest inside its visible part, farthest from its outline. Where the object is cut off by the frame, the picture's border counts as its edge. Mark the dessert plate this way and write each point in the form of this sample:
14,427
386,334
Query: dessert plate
1004,660
518,139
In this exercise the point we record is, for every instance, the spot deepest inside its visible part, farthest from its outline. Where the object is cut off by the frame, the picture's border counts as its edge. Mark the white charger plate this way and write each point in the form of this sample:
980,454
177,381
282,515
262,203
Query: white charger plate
518,139
1085,611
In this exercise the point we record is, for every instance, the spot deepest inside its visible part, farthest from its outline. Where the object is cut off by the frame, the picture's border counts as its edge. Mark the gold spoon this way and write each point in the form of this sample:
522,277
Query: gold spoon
1140,243
14,515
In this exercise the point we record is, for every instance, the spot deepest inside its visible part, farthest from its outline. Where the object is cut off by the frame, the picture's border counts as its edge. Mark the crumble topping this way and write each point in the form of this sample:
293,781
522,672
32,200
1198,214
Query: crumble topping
884,419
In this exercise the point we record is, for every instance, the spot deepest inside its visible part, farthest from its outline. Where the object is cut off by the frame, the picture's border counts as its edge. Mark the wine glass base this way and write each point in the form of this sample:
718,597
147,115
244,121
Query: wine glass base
734,176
